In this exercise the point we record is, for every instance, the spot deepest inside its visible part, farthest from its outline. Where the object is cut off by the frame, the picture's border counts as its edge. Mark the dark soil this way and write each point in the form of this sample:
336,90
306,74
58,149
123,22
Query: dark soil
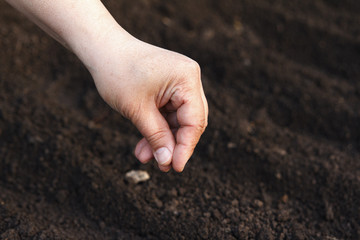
279,160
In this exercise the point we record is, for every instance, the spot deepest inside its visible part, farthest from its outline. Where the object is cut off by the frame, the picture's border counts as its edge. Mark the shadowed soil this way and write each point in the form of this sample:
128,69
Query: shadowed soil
279,160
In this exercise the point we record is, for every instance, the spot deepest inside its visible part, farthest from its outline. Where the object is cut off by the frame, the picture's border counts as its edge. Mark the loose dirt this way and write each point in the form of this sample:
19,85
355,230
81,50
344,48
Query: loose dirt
279,160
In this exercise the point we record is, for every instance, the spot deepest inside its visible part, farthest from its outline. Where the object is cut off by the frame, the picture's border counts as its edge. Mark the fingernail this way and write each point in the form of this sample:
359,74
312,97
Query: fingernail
162,155
138,150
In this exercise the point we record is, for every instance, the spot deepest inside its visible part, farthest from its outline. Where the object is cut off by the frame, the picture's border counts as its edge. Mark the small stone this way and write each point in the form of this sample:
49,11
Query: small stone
244,127
94,185
173,192
258,203
158,202
207,196
137,176
280,151
283,216
231,145
92,125
216,213
285,198
166,21
278,176
247,62
182,191
209,34
238,26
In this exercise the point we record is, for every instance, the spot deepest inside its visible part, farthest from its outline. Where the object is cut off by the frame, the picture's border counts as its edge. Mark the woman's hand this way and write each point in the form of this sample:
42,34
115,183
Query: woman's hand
160,92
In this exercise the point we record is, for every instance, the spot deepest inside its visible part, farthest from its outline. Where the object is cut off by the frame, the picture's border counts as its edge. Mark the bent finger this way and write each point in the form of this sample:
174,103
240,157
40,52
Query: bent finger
172,120
192,119
143,151
154,127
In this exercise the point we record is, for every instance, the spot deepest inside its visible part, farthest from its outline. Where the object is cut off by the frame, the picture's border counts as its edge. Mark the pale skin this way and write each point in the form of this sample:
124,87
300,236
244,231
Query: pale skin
159,91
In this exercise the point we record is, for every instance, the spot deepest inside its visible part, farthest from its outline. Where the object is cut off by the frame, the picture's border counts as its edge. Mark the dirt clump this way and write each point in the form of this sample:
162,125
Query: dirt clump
279,160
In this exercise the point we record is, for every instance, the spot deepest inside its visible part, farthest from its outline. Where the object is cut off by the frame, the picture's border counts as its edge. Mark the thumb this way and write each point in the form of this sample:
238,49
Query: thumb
154,127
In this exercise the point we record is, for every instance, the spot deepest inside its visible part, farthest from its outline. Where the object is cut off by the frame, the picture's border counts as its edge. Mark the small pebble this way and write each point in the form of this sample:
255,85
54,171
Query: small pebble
235,203
166,21
258,203
207,215
173,192
278,176
285,198
158,202
137,176
280,151
231,145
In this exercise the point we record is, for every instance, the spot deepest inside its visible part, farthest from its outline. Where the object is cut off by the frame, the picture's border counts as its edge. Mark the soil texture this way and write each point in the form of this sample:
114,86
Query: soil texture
280,158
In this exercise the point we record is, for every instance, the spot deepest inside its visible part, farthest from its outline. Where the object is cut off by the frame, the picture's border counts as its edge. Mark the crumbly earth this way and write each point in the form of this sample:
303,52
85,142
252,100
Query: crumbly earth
279,160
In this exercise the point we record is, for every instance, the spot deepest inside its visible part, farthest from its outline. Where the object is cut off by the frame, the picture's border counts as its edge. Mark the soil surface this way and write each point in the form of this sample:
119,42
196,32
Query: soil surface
279,160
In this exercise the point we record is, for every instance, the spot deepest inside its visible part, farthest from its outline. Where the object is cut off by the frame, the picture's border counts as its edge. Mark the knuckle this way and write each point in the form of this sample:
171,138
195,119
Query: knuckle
201,126
191,67
156,137
206,123
194,67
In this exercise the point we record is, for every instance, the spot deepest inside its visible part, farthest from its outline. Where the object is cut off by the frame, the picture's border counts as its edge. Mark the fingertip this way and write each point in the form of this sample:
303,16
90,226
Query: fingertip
163,156
178,169
139,147
143,151
181,156
164,168
160,140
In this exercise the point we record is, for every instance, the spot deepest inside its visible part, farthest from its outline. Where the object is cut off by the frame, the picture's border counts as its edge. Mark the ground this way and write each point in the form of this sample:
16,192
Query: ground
279,159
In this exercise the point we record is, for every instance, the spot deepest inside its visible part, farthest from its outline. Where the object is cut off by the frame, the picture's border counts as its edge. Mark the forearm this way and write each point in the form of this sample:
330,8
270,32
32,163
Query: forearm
81,25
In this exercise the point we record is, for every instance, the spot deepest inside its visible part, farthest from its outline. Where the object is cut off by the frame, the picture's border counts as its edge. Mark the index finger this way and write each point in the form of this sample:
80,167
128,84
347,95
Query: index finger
192,118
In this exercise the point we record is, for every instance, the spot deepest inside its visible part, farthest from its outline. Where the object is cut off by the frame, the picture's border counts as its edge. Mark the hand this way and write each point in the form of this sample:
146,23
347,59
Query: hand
160,92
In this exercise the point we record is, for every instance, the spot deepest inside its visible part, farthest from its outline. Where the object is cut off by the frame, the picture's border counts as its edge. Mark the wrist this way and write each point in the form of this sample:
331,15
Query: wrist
96,46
